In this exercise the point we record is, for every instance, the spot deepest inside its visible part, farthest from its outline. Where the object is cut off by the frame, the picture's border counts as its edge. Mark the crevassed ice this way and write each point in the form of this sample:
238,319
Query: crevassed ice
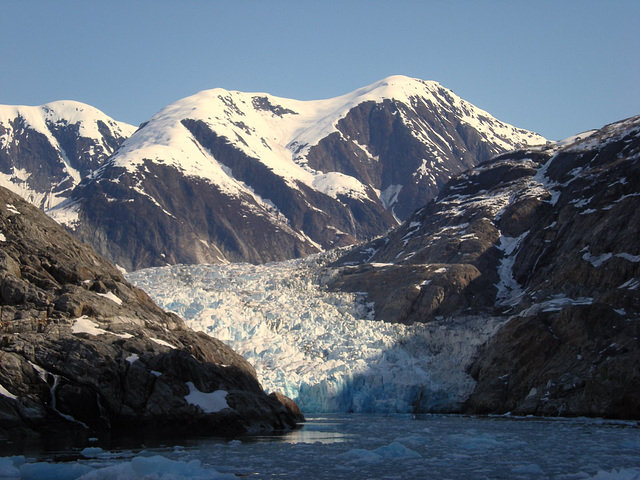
316,346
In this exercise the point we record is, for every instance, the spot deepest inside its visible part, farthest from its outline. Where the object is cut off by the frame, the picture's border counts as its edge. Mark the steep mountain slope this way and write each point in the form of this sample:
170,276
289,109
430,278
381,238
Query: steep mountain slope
229,176
46,150
81,349
545,238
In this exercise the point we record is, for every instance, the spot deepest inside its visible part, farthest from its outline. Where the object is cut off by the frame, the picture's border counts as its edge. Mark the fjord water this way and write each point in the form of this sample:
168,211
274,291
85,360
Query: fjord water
436,446
366,446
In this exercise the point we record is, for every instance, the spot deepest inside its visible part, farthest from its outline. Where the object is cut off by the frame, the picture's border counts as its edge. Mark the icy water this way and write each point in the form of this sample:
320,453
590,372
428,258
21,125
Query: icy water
371,447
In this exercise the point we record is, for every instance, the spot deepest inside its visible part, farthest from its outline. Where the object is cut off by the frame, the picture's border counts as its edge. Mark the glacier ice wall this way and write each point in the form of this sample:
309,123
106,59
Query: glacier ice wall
318,347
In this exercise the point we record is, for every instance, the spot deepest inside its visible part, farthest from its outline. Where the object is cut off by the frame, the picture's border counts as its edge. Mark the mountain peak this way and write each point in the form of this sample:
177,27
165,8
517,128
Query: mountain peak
399,86
68,111
46,150
269,177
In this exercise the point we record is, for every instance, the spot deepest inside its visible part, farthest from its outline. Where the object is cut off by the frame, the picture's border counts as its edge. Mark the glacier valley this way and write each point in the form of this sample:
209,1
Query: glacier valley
321,348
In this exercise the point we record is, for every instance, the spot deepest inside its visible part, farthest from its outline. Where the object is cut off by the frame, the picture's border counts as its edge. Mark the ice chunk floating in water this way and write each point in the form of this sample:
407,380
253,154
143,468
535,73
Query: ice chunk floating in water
349,447
318,347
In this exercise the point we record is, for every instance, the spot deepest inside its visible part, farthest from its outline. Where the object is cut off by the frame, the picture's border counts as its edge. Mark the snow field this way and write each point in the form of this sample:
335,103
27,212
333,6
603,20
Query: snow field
319,347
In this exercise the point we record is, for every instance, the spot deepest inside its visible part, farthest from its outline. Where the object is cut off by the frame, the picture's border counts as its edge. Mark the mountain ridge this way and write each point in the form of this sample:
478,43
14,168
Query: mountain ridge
46,150
84,351
272,178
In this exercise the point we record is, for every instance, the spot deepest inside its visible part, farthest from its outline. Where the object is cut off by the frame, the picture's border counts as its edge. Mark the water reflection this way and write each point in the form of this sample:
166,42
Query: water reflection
67,446
317,431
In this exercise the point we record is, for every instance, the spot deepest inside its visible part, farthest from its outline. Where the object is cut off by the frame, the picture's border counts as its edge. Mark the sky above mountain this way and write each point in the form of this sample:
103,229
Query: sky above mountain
557,68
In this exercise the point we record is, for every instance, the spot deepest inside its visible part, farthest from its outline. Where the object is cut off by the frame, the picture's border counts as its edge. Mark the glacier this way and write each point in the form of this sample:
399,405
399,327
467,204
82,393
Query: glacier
322,348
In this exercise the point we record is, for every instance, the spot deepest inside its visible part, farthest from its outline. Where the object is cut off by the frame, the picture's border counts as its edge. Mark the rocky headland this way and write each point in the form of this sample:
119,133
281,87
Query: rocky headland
84,350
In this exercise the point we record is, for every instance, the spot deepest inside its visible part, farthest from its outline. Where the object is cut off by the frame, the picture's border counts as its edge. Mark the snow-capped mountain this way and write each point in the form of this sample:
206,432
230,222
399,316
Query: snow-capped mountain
230,176
45,151
502,235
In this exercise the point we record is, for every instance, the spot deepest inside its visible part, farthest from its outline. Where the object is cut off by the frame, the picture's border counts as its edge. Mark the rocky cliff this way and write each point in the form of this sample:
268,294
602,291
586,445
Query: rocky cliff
82,349
545,238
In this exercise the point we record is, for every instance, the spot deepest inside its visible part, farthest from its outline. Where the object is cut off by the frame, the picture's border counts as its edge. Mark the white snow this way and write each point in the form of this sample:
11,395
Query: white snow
66,213
17,183
12,209
134,357
509,290
631,284
599,260
596,260
6,393
84,324
111,296
40,119
63,111
588,211
389,196
335,183
209,402
575,138
554,304
545,183
282,139
162,342
629,257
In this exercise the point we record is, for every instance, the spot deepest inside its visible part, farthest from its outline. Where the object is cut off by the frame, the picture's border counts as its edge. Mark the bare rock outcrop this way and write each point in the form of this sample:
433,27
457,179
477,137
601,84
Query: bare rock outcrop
81,348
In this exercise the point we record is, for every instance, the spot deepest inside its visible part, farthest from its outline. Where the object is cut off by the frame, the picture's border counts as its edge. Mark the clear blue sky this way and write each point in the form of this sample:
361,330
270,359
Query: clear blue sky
556,67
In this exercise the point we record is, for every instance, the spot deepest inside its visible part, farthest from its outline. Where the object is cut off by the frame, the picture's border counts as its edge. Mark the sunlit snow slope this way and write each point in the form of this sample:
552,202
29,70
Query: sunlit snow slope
281,132
46,150
227,176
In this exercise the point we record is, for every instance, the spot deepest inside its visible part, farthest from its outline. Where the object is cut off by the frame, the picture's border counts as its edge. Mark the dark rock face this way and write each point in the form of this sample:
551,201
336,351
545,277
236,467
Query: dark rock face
420,163
545,238
581,360
199,224
83,349
305,209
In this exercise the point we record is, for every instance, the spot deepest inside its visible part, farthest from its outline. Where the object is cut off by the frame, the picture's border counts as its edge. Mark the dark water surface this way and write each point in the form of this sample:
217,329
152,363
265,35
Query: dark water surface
373,447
